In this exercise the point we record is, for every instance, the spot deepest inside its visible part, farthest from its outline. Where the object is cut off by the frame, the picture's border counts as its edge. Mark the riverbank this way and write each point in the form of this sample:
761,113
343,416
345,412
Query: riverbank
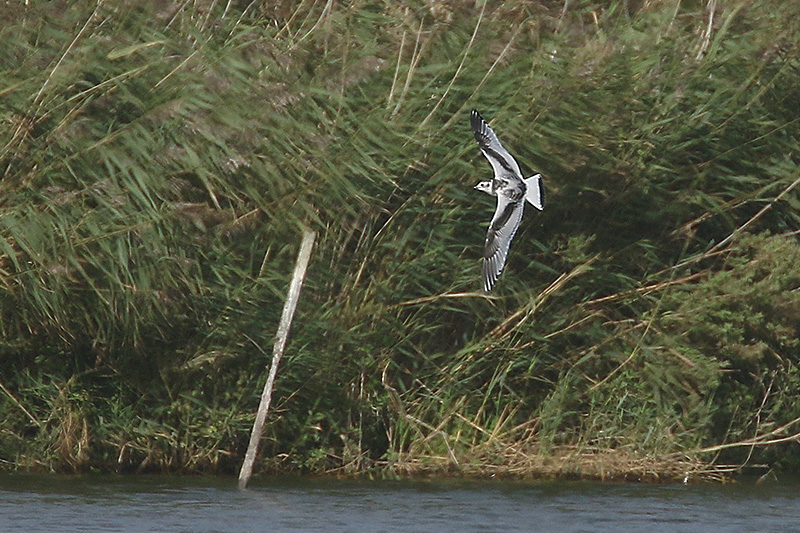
160,161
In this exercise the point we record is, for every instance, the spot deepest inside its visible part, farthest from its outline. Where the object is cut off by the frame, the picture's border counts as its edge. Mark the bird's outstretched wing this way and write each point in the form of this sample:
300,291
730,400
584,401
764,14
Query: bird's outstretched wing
502,162
502,229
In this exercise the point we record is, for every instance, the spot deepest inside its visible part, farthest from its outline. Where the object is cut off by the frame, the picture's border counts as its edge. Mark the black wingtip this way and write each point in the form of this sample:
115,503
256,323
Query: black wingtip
488,280
475,118
477,122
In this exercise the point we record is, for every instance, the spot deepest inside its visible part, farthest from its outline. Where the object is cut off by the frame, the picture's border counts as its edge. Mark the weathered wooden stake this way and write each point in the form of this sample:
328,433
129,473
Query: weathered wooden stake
277,351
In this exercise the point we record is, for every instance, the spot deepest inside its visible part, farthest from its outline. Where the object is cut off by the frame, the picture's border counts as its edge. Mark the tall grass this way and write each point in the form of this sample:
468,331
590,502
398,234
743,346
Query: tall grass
158,163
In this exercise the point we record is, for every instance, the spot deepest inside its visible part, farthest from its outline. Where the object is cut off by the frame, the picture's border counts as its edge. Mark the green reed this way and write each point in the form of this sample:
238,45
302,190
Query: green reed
159,163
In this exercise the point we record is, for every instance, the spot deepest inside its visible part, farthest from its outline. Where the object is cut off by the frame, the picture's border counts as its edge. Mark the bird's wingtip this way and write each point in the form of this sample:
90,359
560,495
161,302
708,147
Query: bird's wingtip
477,122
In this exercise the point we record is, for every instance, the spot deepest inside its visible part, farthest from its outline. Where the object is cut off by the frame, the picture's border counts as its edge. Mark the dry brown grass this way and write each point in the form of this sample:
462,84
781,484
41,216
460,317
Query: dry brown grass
564,462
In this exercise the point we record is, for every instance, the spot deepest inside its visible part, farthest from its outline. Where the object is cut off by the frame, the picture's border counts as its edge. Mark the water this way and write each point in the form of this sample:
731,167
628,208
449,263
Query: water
170,504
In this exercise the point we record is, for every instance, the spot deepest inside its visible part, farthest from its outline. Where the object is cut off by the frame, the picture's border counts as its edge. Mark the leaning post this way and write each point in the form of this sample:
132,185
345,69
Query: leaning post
289,308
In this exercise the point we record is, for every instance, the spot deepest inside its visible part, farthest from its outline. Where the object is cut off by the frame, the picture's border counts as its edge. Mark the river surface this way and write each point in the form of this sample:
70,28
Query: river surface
171,503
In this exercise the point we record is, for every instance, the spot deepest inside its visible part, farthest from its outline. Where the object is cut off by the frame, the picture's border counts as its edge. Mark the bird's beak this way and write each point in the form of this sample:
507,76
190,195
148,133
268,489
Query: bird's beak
478,185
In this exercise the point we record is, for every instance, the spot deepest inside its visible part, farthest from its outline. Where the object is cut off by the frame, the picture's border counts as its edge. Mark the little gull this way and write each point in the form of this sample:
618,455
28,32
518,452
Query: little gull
511,191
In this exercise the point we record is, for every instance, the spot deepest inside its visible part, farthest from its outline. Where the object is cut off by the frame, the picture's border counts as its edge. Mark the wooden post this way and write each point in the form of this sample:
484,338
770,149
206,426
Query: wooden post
277,351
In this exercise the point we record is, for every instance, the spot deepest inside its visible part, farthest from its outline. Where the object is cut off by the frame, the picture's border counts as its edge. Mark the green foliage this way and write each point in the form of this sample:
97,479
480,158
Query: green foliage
159,161
744,319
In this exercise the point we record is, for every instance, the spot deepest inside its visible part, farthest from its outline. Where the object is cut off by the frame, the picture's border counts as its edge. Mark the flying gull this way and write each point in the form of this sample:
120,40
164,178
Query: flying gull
511,191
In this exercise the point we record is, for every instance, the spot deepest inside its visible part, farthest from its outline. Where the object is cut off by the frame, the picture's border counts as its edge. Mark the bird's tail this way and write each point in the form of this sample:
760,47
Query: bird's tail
535,191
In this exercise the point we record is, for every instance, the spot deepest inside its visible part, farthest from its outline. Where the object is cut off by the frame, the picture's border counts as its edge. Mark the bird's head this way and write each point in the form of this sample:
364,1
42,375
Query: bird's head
485,186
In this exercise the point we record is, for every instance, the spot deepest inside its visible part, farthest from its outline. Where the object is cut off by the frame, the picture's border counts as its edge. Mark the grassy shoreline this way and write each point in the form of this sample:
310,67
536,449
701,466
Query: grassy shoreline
159,161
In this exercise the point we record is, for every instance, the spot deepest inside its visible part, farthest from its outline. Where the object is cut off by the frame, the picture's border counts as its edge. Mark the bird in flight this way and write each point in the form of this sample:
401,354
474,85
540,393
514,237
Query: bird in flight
511,191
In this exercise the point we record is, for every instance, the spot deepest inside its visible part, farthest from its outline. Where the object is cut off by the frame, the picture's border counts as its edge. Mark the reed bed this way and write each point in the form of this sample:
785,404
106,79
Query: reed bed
159,161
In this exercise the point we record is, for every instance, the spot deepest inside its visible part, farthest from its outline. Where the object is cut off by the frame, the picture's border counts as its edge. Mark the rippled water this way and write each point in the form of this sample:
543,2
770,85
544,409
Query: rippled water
162,503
